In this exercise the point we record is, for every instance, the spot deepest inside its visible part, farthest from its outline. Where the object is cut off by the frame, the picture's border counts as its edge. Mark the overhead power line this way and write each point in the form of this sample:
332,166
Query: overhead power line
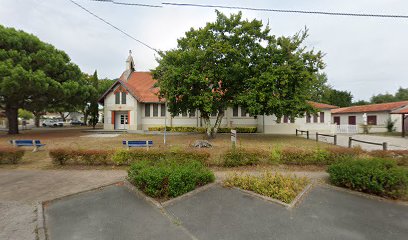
285,11
110,24
128,4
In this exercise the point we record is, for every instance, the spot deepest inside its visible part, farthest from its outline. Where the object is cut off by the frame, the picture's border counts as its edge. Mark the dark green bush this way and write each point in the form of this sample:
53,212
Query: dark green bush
376,176
244,157
168,178
10,155
81,157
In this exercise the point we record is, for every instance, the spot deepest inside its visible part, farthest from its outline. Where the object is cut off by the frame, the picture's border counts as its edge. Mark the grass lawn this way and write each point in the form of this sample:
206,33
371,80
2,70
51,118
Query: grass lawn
74,138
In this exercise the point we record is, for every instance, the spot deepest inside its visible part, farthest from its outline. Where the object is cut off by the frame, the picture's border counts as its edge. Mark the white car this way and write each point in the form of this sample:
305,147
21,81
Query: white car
52,123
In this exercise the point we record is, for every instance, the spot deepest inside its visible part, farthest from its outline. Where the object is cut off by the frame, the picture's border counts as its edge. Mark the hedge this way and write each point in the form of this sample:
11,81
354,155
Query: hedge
203,130
127,157
122,157
81,157
318,156
168,178
10,155
375,176
400,156
243,157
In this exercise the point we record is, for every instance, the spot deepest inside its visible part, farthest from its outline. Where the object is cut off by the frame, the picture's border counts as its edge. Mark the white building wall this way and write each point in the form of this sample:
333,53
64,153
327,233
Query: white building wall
382,118
130,106
266,124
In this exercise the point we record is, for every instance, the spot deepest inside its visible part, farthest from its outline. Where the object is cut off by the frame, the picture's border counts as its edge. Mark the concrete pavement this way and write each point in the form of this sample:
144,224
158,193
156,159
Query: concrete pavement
21,190
221,213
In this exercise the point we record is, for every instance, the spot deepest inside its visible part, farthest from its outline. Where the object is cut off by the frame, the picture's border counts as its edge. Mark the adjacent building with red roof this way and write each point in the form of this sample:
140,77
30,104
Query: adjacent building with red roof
374,115
132,103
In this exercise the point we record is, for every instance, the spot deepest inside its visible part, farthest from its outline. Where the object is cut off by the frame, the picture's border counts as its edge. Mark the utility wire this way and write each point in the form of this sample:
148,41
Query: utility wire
128,4
259,9
110,24
286,11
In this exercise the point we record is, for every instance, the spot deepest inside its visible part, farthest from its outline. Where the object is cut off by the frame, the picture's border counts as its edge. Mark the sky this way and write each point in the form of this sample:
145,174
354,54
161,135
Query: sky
365,56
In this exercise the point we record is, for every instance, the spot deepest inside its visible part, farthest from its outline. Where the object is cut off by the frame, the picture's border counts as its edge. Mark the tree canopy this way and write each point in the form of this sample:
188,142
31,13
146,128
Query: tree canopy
234,61
33,74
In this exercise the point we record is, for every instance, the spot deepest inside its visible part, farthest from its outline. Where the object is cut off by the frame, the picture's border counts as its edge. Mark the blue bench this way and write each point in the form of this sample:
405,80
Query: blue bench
27,143
138,143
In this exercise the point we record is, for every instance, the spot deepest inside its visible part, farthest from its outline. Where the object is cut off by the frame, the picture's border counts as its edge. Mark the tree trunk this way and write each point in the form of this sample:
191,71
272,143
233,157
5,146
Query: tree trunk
12,118
207,124
217,124
86,118
37,116
64,118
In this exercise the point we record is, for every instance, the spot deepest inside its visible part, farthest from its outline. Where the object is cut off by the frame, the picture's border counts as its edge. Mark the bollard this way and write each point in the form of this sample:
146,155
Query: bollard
317,137
349,143
296,133
335,140
307,134
384,146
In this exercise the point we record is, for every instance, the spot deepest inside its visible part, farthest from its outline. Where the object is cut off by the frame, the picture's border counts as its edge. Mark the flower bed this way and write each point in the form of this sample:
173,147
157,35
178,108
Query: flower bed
269,184
168,178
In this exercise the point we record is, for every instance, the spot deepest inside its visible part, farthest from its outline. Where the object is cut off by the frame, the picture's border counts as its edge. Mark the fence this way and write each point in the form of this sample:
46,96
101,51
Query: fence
302,131
327,135
384,144
346,128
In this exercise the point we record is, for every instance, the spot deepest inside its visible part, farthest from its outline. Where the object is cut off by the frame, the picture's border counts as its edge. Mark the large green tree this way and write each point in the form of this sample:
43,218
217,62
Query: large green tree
338,98
32,73
383,98
235,61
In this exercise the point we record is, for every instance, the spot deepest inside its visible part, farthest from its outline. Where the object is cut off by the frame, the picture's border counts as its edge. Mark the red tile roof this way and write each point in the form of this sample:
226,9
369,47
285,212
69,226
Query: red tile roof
381,107
401,111
321,105
141,86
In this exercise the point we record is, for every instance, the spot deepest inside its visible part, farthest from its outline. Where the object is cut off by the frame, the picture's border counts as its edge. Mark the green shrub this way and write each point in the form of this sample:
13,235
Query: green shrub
400,156
318,156
168,178
269,184
81,157
203,130
244,157
297,156
127,157
10,155
376,176
122,157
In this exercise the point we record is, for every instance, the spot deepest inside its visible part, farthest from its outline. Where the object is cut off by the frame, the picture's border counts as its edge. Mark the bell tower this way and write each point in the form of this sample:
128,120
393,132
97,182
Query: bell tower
130,64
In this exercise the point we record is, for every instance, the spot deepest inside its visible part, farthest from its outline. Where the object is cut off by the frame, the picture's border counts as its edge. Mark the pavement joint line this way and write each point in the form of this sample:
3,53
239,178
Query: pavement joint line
41,231
158,206
188,195
46,202
365,195
41,221
301,195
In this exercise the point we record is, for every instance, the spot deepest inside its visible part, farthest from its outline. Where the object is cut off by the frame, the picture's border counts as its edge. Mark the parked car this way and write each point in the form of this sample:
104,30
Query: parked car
77,123
52,123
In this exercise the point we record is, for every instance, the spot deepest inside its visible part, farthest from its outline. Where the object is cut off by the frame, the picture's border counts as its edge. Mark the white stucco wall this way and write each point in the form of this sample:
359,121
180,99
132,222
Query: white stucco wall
382,118
109,106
